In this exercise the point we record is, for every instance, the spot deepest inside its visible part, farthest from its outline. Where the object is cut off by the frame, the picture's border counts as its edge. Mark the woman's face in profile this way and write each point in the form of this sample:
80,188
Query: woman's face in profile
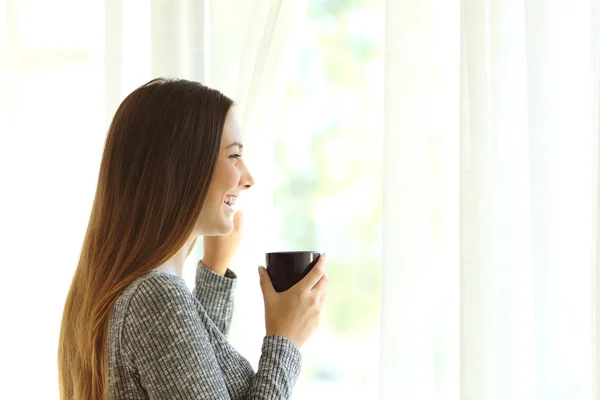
230,178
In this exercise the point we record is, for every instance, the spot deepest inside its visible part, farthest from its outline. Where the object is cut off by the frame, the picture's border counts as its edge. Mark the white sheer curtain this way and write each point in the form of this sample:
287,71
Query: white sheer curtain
490,201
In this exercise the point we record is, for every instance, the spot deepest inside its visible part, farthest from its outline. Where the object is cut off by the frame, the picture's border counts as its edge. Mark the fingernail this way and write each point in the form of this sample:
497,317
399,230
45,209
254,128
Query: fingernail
261,271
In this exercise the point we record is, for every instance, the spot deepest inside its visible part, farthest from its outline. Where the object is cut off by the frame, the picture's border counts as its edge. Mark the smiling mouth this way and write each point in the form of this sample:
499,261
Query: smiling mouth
230,202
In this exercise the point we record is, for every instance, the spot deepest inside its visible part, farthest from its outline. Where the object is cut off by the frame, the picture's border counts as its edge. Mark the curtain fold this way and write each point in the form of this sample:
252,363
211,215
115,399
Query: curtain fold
595,65
515,214
420,305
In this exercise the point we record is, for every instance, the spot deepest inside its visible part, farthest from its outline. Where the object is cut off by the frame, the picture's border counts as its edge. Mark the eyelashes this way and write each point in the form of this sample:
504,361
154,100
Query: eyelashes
235,156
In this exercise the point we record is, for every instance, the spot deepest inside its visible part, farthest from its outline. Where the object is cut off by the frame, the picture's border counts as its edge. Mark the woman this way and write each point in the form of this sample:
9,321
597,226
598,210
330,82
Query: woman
171,171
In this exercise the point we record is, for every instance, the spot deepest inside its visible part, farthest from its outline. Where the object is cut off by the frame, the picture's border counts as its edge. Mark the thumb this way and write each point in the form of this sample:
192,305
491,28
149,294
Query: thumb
265,282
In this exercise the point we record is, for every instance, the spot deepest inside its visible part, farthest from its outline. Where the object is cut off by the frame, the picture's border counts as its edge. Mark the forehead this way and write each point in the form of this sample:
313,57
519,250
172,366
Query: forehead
231,129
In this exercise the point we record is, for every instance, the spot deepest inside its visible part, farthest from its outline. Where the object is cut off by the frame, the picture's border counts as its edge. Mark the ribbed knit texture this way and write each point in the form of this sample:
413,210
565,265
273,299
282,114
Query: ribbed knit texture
166,342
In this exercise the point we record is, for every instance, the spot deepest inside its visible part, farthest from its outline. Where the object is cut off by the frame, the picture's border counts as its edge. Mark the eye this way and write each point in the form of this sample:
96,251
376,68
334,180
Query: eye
235,156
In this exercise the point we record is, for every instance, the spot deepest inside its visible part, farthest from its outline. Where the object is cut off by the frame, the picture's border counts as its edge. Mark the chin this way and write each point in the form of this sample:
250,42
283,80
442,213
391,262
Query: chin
222,225
225,232
225,228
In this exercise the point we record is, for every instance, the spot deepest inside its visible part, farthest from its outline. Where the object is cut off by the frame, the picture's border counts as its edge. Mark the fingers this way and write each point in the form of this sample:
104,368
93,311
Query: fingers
322,299
265,282
314,275
320,288
238,217
238,221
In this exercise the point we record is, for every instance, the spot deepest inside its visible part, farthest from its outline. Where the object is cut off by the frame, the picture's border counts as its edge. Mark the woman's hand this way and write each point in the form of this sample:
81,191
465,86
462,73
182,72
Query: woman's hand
295,313
220,250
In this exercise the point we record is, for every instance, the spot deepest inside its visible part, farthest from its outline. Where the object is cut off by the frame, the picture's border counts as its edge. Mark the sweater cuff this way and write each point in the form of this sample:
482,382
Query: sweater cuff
209,279
285,352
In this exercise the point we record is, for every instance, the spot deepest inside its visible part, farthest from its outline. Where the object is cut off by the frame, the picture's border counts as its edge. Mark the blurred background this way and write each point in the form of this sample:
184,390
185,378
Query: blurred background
328,185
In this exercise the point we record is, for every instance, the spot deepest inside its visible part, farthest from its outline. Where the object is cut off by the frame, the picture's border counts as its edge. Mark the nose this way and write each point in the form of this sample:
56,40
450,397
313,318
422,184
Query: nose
246,179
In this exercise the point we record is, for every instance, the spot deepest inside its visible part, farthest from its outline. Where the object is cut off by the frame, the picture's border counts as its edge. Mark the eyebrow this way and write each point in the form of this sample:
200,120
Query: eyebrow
241,146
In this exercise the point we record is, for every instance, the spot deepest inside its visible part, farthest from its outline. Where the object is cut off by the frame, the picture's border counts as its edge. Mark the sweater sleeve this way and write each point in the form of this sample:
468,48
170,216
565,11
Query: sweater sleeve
216,294
165,341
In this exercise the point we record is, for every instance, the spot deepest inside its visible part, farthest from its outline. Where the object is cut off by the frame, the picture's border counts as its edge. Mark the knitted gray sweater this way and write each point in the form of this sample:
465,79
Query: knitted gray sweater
166,342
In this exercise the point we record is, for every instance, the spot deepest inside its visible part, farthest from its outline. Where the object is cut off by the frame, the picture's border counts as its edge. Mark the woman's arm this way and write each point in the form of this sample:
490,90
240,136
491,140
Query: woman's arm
216,294
166,341
215,282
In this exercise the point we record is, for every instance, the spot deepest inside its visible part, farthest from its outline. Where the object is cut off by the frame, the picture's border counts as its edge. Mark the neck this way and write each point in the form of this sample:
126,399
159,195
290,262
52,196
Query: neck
175,264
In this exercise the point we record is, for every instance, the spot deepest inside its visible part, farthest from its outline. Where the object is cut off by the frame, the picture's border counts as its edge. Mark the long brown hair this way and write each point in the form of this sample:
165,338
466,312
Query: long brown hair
158,161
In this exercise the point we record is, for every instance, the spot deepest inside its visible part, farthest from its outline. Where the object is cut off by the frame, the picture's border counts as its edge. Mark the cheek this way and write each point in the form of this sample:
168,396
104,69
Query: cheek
227,177
232,176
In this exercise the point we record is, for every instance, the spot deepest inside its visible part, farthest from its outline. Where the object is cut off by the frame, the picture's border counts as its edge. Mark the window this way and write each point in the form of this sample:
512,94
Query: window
328,187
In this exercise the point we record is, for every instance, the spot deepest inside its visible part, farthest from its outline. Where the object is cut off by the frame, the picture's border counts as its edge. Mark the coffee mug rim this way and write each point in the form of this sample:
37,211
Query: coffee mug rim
294,252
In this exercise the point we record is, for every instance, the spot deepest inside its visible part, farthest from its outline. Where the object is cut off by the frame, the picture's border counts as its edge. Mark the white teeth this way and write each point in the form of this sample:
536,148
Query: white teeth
230,200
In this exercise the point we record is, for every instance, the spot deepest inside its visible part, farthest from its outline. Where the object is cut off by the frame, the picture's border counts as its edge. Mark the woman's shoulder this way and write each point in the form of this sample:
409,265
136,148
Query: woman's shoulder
152,294
156,280
155,286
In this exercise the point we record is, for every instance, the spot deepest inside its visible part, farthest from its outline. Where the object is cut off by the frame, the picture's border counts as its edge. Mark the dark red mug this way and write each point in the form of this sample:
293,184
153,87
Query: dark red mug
286,268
